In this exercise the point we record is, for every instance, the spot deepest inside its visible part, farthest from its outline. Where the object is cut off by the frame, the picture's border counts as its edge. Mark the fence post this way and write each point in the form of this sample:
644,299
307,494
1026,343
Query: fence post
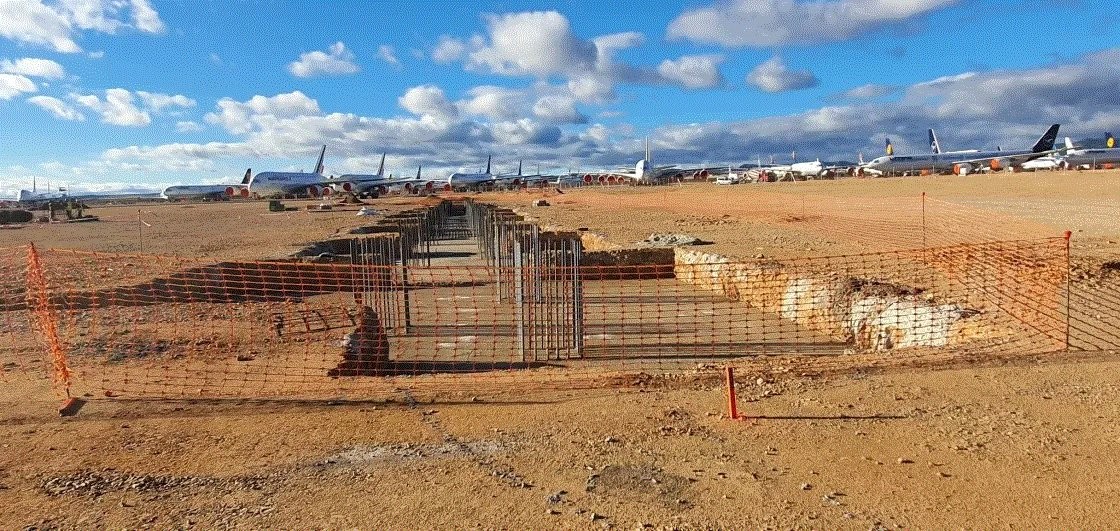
38,302
1069,284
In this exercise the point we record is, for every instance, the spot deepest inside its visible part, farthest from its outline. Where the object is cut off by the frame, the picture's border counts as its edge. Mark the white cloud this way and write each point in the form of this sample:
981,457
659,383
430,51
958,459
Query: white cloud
57,107
238,117
28,66
339,61
188,127
693,71
157,102
96,55
558,109
542,44
869,91
428,100
145,17
493,102
116,109
774,76
782,22
448,50
388,54
12,85
55,25
539,43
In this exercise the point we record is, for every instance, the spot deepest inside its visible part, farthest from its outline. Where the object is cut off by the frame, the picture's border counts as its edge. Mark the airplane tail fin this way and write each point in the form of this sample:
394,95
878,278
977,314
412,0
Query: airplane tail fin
381,168
248,175
488,157
934,145
1109,141
1069,143
1046,142
319,164
861,158
418,171
890,147
519,168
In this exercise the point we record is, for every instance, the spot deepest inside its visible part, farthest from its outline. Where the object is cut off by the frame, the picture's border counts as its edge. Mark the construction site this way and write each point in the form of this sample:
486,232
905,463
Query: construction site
563,351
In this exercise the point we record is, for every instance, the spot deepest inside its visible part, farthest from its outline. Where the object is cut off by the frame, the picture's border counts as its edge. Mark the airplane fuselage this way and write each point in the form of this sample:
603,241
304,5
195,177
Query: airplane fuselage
947,162
203,191
275,183
1092,157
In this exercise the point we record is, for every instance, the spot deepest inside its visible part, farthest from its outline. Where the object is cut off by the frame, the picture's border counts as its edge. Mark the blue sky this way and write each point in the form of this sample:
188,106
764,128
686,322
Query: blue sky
121,94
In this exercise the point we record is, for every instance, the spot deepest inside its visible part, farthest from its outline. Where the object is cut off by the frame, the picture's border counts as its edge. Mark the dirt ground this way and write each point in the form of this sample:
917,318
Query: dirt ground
985,443
233,230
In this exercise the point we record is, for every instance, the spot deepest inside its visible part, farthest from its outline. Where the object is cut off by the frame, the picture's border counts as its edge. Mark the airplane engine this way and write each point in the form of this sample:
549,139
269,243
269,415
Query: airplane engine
995,165
327,191
602,178
230,192
245,193
926,172
1107,166
408,187
313,191
587,178
515,183
960,169
348,187
429,186
447,187
704,174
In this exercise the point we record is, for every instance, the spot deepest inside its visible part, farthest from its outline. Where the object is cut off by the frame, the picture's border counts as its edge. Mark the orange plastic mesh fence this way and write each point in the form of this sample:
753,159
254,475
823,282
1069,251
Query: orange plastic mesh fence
154,326
21,359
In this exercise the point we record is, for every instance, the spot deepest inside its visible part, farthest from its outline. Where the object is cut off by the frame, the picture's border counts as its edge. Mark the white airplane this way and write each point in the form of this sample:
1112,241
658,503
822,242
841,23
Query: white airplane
280,183
1106,157
646,173
1049,162
363,185
208,192
466,180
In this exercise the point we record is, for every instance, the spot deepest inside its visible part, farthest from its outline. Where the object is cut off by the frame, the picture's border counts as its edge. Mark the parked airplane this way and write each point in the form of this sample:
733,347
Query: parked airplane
1049,162
964,162
460,181
646,173
280,183
363,185
1106,157
208,192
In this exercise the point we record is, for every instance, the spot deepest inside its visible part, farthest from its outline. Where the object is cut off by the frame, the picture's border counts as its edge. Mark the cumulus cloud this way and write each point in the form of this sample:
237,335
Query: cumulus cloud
55,25
118,108
29,66
336,61
543,45
493,102
241,117
558,109
739,23
428,101
774,76
693,71
539,43
388,54
57,107
12,85
448,50
119,105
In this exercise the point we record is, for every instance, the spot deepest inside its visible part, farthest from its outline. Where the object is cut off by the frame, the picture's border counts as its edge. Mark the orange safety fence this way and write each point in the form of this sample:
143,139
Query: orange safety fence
155,326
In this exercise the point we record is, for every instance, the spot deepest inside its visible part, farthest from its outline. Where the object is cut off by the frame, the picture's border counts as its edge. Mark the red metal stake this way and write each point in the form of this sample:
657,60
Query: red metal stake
732,401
